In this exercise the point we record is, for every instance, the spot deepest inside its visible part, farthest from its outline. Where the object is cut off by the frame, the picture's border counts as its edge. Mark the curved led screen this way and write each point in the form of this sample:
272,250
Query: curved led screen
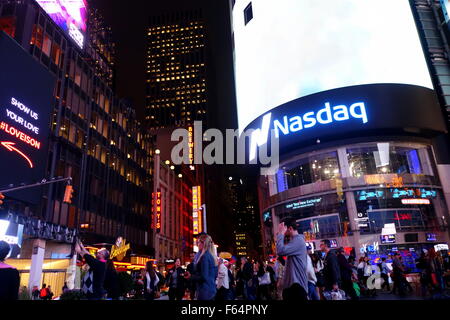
287,49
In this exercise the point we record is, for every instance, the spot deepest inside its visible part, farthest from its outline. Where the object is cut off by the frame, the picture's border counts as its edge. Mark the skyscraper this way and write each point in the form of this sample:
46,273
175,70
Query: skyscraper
176,89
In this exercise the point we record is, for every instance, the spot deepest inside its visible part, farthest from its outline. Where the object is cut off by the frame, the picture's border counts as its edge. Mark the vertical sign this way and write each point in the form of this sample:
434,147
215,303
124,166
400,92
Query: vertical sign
196,209
156,210
191,145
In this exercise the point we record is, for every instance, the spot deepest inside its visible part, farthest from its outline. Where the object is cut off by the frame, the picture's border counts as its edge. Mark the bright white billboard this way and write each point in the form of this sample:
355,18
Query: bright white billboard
287,49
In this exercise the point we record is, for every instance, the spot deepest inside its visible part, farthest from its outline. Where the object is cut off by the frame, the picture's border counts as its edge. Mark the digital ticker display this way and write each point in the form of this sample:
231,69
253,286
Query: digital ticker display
26,105
69,15
288,49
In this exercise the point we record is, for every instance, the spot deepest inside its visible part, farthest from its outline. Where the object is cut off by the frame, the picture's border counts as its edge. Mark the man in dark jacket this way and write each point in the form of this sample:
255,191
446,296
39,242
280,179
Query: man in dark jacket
94,279
247,275
9,276
331,271
346,272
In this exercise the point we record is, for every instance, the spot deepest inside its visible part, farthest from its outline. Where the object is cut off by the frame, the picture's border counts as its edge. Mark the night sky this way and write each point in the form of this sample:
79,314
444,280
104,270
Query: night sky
128,20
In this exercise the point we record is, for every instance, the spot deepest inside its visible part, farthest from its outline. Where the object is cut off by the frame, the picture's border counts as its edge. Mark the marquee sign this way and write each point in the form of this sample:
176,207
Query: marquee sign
196,209
119,250
26,106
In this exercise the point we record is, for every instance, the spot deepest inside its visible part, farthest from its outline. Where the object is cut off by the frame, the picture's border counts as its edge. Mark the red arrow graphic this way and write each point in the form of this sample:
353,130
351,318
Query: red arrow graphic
9,146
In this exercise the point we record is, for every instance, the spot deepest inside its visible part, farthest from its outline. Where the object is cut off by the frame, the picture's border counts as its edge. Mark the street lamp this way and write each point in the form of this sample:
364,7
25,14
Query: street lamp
157,151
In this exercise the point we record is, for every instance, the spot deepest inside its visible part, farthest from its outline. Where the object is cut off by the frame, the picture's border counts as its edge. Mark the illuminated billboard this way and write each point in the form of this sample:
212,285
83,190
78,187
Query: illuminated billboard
445,4
26,105
69,15
289,49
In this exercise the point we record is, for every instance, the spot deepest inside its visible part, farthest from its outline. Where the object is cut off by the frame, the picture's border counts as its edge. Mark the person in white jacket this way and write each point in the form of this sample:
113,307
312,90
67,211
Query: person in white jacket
222,282
312,279
151,281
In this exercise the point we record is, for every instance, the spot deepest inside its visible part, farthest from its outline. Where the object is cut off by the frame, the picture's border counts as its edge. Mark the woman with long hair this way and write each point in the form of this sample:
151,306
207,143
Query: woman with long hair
206,269
263,276
151,281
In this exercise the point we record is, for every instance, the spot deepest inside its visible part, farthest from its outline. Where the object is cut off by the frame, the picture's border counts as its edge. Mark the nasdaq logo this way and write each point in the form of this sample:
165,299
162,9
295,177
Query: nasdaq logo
308,120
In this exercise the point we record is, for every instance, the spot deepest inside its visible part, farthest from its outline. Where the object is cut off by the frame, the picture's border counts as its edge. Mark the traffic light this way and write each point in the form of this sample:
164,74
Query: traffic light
68,194
1,198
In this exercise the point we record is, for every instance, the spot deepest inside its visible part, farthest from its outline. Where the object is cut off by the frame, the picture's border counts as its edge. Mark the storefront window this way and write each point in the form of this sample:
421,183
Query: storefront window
309,170
384,158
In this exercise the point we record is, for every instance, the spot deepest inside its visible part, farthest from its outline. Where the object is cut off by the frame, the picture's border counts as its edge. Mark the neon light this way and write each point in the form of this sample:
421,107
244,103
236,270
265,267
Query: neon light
24,108
9,146
156,210
20,135
310,119
196,212
415,201
21,121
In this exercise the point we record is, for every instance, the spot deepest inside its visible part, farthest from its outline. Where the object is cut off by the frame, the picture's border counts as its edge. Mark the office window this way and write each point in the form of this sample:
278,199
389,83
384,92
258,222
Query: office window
248,13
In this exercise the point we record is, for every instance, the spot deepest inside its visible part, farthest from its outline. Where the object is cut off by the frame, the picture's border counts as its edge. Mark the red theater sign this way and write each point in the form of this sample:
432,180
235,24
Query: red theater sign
156,210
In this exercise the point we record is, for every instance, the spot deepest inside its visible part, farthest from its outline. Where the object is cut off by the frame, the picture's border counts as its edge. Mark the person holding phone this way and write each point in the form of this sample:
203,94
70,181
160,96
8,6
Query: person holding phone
291,244
94,279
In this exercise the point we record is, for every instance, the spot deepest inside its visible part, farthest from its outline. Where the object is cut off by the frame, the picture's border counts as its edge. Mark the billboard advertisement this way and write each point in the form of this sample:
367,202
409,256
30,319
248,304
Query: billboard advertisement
12,233
445,4
69,15
350,113
26,105
289,49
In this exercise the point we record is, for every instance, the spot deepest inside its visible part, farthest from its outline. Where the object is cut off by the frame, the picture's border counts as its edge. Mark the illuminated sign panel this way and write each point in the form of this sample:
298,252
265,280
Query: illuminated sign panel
156,210
445,5
26,105
278,59
304,203
196,209
69,15
191,145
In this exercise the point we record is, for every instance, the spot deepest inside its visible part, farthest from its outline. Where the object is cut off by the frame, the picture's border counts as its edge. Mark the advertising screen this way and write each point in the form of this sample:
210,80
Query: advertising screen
388,238
69,15
12,233
26,105
288,49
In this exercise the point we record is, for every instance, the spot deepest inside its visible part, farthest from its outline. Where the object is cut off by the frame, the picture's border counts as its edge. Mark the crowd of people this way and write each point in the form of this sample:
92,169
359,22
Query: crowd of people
297,274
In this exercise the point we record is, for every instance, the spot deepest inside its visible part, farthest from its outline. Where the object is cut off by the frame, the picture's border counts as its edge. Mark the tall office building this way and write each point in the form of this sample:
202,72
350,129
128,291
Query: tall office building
93,137
176,70
101,48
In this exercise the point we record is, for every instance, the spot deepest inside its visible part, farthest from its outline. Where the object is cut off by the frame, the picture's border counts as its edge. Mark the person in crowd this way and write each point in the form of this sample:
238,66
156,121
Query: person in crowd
9,276
318,269
50,293
247,275
95,277
295,284
252,288
312,279
331,271
176,281
280,277
423,266
273,278
44,293
111,283
205,269
65,288
368,271
398,271
35,293
346,273
159,273
436,264
264,282
189,283
151,281
360,270
385,271
231,281
239,283
222,282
